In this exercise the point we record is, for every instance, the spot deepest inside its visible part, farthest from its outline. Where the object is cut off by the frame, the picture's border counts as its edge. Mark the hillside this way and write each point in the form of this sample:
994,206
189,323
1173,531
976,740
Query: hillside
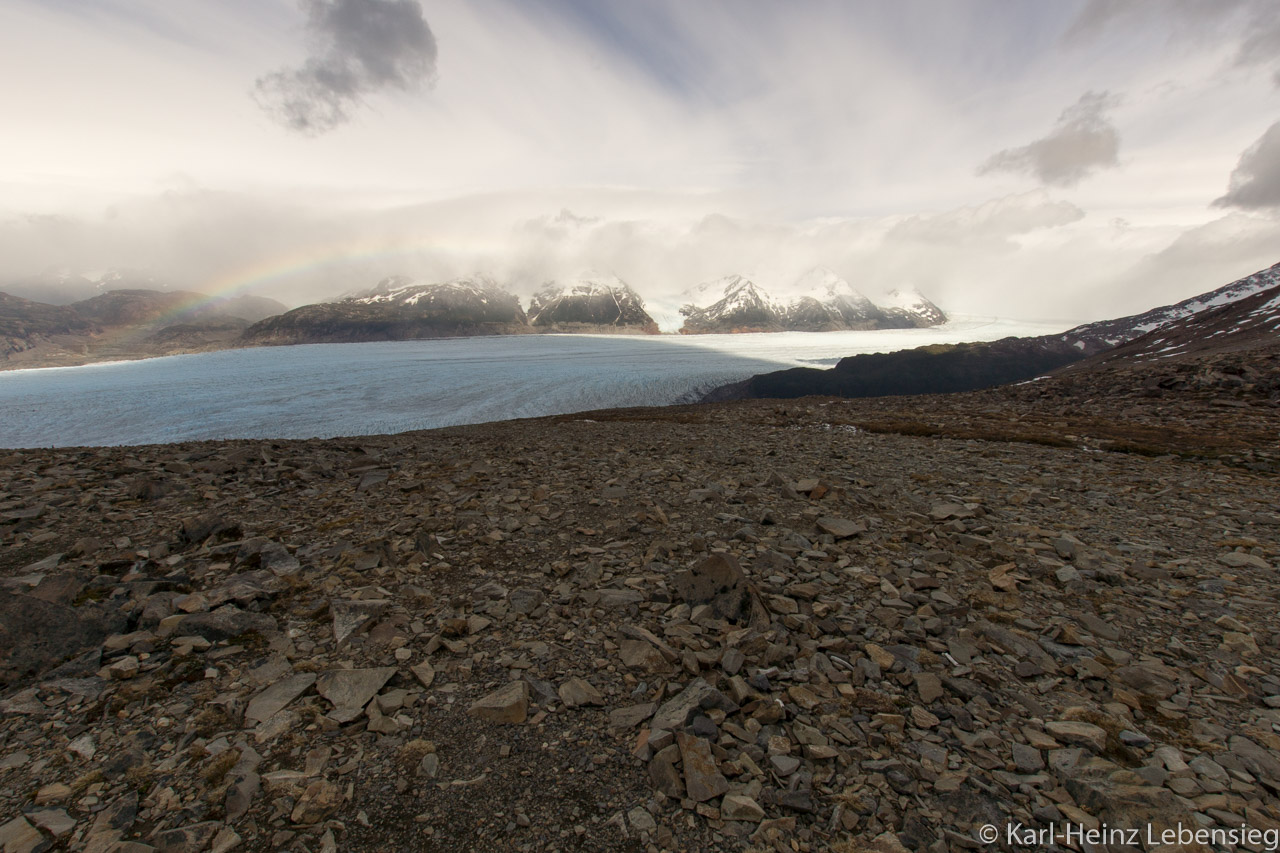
1123,329
846,625
26,325
936,369
122,324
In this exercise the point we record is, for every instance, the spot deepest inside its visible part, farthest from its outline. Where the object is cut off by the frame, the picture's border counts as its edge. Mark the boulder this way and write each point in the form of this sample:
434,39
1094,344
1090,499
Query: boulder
718,581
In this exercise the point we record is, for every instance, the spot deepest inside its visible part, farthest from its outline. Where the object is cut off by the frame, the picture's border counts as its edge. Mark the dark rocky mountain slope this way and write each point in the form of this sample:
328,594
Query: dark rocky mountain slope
596,302
741,306
936,369
1240,315
397,309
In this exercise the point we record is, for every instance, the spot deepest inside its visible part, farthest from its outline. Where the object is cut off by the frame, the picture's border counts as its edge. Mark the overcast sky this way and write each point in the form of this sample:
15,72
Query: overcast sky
1069,160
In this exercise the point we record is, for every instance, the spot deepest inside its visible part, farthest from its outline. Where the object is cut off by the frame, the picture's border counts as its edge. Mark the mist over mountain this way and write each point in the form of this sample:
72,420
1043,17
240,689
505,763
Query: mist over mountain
122,324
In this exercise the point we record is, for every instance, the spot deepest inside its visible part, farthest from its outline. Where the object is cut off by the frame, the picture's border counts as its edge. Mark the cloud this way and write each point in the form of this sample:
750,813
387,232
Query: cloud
1262,46
1082,141
1026,255
1197,260
996,220
1184,18
360,47
1250,24
1255,182
967,259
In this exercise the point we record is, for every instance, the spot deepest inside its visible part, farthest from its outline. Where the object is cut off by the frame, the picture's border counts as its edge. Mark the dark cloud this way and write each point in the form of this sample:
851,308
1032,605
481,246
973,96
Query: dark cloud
1255,183
1082,141
359,47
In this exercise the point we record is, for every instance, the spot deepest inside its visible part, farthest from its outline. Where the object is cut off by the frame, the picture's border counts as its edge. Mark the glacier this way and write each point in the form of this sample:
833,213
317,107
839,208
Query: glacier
328,390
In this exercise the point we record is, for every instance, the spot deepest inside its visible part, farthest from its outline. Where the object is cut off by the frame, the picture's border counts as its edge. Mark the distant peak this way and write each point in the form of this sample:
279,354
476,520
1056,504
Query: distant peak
600,277
586,282
904,296
480,280
824,282
735,283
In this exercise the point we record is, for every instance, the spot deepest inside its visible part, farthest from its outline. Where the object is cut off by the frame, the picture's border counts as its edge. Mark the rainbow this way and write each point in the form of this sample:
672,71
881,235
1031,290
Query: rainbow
366,255
366,252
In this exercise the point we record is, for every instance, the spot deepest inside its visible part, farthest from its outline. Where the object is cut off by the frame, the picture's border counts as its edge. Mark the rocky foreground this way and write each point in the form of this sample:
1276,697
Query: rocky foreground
801,626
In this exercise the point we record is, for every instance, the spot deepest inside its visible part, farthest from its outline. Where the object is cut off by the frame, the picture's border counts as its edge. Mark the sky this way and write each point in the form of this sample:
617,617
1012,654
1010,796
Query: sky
1072,160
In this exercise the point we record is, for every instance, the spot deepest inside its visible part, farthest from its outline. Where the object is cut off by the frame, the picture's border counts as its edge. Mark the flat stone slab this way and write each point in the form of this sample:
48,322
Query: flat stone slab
55,821
1239,560
424,672
19,836
351,689
1078,734
702,778
944,511
698,695
630,717
619,597
577,692
841,528
276,697
739,807
224,623
1259,760
929,686
509,704
352,616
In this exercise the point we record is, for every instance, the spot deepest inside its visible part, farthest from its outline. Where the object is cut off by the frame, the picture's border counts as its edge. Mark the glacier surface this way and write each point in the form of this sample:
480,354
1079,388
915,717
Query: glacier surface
327,390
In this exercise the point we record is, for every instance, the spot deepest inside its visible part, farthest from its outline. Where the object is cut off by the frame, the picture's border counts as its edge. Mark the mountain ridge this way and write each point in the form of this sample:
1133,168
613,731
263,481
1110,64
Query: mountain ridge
122,324
819,301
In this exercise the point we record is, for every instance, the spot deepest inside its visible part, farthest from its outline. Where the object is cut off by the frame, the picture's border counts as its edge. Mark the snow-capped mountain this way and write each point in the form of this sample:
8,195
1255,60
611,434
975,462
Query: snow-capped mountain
1123,329
397,309
743,306
826,302
911,309
477,299
1235,319
821,301
593,299
1241,315
386,289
